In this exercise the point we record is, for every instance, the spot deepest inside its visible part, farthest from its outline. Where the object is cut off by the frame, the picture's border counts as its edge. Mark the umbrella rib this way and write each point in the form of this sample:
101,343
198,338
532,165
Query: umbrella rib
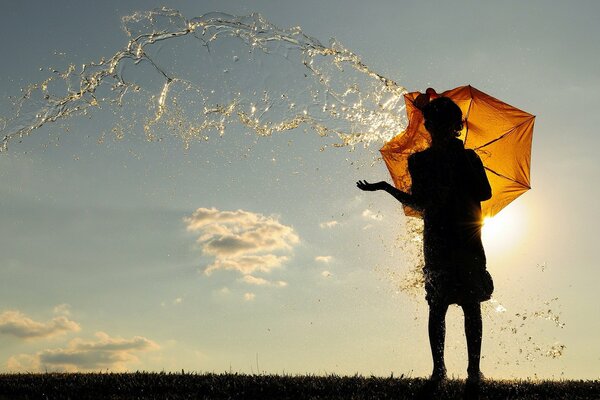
467,116
504,135
507,178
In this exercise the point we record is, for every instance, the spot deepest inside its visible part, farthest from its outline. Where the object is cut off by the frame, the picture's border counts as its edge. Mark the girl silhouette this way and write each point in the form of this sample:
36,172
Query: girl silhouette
448,184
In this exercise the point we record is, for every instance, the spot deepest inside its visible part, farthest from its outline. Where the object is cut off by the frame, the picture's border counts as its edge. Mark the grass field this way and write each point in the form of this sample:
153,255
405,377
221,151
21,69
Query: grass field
143,385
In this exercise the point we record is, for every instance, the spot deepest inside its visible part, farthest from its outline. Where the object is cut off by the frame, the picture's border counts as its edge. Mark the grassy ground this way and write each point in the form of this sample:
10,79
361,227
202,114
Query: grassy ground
236,386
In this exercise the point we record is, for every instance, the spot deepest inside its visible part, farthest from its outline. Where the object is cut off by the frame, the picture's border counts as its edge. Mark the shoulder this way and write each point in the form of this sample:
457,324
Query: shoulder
419,157
419,162
472,155
416,159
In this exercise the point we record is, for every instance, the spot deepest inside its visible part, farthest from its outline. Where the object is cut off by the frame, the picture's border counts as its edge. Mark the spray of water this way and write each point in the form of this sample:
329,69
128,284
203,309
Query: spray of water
194,77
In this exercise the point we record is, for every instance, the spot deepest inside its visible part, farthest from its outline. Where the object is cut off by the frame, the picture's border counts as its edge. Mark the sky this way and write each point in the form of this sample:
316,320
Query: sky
259,255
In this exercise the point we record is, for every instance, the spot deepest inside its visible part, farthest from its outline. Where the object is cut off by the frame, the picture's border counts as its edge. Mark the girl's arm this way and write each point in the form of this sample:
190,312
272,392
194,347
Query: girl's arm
399,195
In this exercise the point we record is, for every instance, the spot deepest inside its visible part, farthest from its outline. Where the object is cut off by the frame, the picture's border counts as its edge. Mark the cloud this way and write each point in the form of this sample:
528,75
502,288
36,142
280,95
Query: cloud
249,296
62,309
328,224
241,240
247,264
16,323
368,214
252,280
324,259
326,274
224,291
85,355
23,363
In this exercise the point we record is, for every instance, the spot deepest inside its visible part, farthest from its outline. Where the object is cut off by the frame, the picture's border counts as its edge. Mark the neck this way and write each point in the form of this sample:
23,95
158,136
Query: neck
440,142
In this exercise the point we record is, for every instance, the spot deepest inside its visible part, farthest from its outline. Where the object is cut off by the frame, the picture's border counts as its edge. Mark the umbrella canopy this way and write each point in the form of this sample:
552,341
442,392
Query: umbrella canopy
499,133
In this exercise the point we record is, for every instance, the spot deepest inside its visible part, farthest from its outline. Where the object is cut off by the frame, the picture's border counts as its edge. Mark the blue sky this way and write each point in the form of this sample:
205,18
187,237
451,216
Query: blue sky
99,251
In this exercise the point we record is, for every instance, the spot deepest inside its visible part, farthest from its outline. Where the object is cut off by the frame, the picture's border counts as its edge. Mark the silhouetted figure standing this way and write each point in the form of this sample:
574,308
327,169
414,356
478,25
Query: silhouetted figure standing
448,184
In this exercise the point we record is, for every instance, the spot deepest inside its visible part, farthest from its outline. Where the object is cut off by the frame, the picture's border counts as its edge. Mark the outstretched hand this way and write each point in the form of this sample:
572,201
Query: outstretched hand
370,187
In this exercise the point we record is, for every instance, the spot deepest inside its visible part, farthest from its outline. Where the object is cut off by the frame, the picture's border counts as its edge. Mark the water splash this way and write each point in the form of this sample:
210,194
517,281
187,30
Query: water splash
521,335
556,350
193,77
499,308
411,279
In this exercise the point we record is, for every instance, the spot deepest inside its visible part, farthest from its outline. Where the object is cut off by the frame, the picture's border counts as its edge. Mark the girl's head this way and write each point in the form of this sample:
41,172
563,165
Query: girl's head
443,119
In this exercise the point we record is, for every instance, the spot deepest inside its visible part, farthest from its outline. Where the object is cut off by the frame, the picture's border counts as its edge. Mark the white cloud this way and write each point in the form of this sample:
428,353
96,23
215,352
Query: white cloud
324,259
249,296
326,274
252,280
178,300
328,224
80,355
247,264
224,290
62,309
23,363
368,214
16,323
241,240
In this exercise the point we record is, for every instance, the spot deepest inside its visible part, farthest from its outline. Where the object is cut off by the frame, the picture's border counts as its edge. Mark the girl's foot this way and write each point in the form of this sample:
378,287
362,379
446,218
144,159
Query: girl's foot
430,390
438,375
475,378
473,386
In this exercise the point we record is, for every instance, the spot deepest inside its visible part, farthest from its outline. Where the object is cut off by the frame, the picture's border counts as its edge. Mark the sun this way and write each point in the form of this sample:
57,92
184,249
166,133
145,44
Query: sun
503,230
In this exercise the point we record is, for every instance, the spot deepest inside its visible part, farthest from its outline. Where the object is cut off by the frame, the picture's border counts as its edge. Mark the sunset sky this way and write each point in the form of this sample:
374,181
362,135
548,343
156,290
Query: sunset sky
252,254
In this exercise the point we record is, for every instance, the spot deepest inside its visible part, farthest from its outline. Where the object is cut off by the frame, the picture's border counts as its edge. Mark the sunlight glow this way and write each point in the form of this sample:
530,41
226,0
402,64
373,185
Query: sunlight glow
504,230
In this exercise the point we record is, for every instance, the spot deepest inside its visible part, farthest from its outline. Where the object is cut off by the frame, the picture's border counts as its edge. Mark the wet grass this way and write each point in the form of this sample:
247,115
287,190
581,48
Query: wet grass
143,385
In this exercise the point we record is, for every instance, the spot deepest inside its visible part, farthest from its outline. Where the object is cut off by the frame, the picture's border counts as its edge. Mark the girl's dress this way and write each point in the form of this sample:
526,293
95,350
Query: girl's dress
449,184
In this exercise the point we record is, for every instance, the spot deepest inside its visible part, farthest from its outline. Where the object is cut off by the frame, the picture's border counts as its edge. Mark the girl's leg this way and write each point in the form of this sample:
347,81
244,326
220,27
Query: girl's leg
473,332
437,338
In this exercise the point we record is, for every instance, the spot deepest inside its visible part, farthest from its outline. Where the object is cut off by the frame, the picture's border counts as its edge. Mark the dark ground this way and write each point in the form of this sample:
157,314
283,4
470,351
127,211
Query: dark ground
143,385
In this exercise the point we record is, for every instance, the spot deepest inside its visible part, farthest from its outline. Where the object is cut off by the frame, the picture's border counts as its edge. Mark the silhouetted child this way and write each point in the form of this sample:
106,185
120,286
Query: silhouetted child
448,184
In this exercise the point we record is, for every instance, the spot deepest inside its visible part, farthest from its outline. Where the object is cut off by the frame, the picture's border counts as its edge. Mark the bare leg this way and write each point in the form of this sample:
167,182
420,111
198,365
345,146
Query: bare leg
473,332
437,338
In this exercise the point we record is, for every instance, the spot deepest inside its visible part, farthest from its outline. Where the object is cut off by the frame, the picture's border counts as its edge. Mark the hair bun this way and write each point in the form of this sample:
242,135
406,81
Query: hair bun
424,98
432,93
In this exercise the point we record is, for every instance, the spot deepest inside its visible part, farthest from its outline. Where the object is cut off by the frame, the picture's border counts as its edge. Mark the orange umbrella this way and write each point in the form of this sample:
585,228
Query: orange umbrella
499,133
